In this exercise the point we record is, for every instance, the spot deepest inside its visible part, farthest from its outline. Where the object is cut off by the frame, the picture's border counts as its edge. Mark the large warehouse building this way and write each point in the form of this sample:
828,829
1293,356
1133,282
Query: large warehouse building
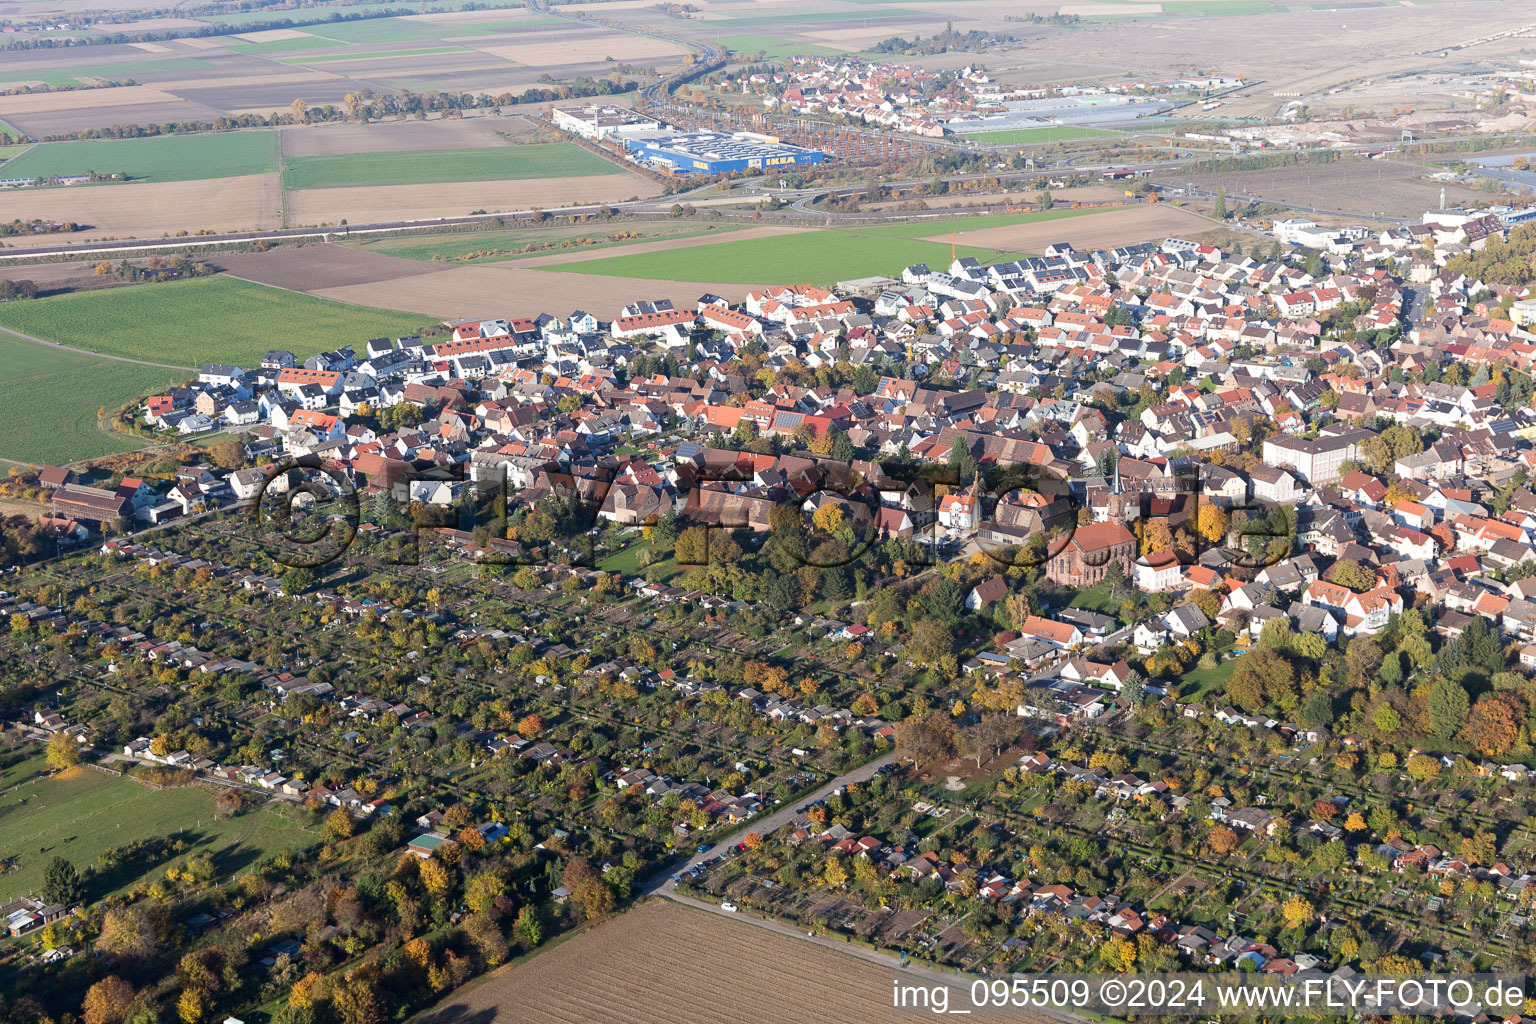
717,152
602,120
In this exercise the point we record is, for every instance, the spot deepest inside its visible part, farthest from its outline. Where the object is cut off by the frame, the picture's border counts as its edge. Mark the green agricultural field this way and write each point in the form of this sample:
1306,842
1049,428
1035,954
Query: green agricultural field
205,320
381,30
814,257
776,46
415,167
163,158
460,244
49,399
799,18
282,45
111,72
496,28
82,813
1025,136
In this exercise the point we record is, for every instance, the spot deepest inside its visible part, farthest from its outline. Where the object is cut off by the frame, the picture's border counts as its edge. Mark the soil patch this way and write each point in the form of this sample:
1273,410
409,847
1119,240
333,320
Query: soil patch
1089,231
407,202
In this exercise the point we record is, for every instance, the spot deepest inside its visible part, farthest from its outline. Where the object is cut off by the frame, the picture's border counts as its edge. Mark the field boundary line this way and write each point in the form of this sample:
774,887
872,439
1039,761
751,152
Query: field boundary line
88,352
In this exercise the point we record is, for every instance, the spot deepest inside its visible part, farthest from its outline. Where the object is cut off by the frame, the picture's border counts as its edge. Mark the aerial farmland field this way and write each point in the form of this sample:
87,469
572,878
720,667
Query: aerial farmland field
36,427
491,163
1026,136
661,963
816,257
494,246
161,158
189,323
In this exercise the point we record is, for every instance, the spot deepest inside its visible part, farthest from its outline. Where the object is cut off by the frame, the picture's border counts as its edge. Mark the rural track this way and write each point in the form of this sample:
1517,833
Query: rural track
662,882
88,352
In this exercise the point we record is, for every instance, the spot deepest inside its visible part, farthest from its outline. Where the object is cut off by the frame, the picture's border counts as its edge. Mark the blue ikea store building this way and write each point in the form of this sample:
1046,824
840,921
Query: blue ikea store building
718,153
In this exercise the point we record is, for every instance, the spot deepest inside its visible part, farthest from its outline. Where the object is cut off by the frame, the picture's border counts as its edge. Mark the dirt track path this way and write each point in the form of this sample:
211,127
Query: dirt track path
88,352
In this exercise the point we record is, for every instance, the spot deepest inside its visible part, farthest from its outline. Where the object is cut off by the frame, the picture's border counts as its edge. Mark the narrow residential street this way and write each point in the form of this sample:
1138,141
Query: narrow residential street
662,881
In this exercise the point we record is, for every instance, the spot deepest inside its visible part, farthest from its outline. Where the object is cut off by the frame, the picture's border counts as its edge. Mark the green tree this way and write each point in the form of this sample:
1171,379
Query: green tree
1349,573
945,602
61,883
530,931
1219,208
1134,689
297,580
1448,708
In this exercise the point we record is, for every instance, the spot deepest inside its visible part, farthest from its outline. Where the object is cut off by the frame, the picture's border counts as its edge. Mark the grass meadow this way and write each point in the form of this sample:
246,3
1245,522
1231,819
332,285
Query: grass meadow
81,813
161,158
1025,136
776,47
277,45
204,320
814,257
417,167
49,399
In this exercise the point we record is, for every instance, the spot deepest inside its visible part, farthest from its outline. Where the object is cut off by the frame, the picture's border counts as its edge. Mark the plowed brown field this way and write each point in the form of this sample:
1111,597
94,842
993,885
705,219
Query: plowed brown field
148,209
1088,231
411,202
662,963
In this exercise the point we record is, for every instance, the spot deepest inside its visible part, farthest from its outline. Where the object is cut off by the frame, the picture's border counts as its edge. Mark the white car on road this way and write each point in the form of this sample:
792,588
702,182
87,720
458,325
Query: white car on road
728,907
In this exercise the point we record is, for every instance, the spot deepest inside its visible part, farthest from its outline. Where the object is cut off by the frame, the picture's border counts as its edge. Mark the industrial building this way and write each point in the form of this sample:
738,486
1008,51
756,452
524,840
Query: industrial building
716,152
602,120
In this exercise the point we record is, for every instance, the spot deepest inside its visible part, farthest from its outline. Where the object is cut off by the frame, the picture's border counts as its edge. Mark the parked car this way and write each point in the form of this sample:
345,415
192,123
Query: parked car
728,907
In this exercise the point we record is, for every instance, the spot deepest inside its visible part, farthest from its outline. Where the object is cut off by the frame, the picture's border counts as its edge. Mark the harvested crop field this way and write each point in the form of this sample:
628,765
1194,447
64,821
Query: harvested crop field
287,78
495,289
1089,231
663,963
399,202
149,209
273,35
48,102
533,246
1351,185
399,136
595,47
68,120
352,275
664,244
313,267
